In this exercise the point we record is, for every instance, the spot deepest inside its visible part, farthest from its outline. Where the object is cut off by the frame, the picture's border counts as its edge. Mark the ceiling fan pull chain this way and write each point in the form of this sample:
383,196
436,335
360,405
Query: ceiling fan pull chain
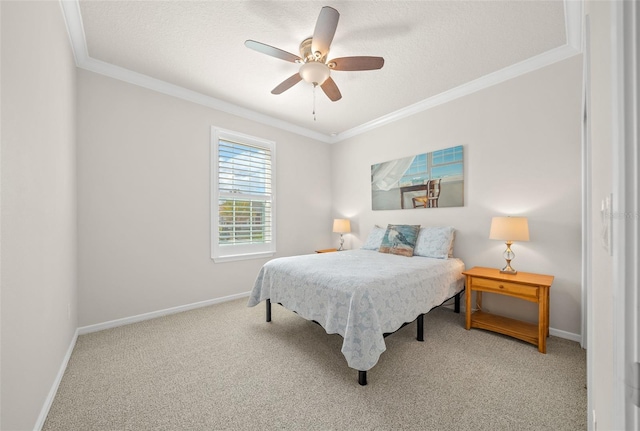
314,101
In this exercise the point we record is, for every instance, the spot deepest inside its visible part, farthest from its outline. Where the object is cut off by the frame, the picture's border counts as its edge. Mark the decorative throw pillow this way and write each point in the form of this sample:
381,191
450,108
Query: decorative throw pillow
374,239
436,241
400,239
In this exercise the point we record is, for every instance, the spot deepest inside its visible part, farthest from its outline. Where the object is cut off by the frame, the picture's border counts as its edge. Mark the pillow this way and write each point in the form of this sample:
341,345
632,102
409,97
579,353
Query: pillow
374,239
400,239
436,241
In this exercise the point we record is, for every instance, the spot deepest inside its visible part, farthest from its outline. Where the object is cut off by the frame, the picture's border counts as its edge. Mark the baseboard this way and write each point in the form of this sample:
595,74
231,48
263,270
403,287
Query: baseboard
564,334
152,315
56,383
552,331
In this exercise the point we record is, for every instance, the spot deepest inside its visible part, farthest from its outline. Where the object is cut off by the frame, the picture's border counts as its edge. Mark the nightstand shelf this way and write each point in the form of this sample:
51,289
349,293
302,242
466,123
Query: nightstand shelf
504,325
523,285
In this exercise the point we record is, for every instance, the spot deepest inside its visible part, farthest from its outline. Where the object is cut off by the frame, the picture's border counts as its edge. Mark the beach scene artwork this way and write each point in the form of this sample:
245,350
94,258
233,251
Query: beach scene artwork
424,181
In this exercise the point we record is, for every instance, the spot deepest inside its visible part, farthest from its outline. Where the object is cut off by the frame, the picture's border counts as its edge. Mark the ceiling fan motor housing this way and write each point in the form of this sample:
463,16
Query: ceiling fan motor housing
307,54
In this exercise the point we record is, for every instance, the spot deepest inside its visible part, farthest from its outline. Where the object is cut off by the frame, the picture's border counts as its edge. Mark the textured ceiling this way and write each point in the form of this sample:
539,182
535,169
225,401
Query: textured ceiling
428,46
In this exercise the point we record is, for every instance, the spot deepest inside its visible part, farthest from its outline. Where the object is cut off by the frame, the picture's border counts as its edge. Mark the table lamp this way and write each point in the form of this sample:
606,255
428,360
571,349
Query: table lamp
509,229
341,226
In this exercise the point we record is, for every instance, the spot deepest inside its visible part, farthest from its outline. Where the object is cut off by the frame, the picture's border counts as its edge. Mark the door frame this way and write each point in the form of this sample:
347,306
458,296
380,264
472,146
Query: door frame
625,131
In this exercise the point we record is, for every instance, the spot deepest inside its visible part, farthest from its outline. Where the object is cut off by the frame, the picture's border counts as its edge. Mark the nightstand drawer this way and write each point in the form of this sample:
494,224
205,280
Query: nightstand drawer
506,288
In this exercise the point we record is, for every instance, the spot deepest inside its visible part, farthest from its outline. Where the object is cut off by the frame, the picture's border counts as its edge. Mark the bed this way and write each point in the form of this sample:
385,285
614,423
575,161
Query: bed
363,295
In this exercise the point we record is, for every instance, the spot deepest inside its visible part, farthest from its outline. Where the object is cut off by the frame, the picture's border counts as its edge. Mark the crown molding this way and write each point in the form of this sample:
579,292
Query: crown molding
526,66
164,87
573,13
573,23
73,21
75,29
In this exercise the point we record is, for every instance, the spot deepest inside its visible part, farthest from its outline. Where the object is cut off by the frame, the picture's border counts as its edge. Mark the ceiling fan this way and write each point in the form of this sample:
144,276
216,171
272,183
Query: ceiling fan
315,69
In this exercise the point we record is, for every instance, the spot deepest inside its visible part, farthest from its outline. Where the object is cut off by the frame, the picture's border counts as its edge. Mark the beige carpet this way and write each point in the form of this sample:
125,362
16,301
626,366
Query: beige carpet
223,368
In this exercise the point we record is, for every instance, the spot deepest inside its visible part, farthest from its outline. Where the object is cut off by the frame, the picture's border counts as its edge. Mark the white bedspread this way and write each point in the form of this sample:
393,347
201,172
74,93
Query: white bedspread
359,294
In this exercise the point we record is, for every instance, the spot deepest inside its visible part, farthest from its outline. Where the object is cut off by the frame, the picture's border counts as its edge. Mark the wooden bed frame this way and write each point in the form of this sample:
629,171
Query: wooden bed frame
362,375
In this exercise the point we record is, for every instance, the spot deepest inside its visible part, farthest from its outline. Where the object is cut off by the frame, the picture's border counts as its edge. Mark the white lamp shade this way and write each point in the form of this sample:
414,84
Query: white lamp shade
341,225
314,72
509,229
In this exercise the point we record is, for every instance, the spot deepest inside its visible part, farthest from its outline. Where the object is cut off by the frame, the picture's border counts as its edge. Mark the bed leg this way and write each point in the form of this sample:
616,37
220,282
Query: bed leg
268,304
362,378
420,327
456,306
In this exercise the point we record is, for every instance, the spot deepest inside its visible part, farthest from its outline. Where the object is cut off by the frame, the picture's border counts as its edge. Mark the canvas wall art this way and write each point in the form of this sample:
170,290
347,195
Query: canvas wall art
428,180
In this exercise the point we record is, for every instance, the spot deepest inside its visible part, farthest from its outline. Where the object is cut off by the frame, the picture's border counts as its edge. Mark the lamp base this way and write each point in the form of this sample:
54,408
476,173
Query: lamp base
508,256
507,269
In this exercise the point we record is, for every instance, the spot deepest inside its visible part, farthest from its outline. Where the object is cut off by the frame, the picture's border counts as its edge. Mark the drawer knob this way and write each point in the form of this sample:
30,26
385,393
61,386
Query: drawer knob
501,286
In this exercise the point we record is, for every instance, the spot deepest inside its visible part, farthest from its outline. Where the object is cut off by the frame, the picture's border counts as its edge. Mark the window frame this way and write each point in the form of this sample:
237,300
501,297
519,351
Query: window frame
228,253
430,165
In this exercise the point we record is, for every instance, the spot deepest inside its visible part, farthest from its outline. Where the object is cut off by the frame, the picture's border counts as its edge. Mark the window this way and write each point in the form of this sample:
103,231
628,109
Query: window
445,164
243,191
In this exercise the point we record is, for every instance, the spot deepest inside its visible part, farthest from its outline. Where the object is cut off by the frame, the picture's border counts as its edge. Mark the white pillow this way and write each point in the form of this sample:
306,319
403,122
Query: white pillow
436,241
375,238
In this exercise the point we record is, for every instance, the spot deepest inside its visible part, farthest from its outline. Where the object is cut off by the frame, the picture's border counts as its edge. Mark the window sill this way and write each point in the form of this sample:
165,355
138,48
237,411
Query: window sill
246,256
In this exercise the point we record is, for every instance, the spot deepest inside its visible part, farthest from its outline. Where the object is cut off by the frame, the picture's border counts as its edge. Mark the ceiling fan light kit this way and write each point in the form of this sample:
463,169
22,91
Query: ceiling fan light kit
313,55
314,72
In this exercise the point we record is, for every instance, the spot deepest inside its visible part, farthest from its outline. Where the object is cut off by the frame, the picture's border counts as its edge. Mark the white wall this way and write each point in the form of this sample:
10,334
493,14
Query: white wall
521,143
143,201
38,206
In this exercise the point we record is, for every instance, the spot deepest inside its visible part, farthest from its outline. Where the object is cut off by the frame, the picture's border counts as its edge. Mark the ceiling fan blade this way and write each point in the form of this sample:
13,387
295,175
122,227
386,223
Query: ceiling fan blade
325,30
272,51
287,84
356,63
331,90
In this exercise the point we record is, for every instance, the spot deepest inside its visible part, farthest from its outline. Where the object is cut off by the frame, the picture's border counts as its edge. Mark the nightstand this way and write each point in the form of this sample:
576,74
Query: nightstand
523,285
327,250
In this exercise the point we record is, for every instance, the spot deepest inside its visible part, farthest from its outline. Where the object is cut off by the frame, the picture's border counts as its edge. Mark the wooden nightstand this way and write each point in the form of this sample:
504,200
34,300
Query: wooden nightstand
523,285
327,250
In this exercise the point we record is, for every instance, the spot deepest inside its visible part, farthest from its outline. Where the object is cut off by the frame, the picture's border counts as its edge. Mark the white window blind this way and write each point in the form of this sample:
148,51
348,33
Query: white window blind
243,207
